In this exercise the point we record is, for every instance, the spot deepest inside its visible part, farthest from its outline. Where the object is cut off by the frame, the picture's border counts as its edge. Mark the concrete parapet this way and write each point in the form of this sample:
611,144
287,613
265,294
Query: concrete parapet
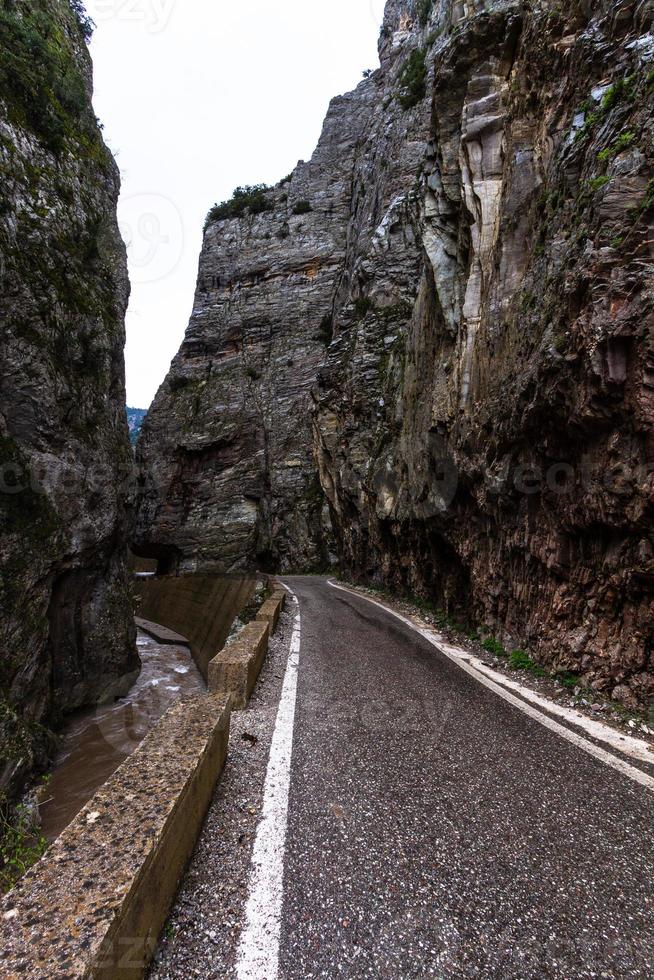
94,906
236,668
270,612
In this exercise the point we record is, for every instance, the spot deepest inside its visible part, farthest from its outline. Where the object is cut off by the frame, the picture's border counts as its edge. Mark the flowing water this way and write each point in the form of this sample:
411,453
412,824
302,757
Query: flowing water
96,741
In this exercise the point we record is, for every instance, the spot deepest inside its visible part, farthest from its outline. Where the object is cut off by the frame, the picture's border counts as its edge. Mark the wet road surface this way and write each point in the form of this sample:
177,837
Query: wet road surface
436,831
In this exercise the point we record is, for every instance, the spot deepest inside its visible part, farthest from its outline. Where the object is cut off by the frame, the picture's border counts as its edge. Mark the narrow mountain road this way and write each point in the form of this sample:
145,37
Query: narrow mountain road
433,830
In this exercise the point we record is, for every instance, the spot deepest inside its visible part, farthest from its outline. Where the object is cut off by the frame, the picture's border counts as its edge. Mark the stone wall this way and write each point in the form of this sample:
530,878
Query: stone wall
477,237
200,608
66,624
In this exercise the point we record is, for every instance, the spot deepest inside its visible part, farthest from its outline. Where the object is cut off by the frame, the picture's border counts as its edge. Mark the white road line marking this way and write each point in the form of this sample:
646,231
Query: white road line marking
637,775
258,949
634,747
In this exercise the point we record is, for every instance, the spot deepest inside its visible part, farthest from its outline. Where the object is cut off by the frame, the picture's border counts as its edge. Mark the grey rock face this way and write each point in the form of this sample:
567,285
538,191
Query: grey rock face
481,419
225,455
66,627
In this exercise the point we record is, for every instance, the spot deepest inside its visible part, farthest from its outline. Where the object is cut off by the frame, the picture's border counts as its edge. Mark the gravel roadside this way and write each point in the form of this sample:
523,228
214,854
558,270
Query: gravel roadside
201,936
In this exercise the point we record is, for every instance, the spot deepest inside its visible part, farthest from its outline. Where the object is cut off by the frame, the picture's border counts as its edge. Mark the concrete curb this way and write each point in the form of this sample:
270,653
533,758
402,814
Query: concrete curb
95,904
236,668
271,611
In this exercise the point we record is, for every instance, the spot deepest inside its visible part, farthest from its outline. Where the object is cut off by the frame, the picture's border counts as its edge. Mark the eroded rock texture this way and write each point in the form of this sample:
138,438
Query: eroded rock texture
66,623
225,452
481,238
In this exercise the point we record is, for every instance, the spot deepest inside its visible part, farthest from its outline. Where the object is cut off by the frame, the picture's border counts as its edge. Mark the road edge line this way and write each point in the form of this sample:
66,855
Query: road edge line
258,948
633,773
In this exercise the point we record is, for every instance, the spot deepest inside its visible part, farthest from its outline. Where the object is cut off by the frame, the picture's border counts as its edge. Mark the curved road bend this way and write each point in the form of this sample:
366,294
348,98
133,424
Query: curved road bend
436,831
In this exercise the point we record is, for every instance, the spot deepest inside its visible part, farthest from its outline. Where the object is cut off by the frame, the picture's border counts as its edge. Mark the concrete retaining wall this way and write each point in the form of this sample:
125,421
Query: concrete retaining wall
95,905
201,608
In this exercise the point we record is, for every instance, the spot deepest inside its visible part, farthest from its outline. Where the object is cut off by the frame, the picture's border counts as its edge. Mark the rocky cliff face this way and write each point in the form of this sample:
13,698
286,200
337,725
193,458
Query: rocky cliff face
66,626
464,319
225,455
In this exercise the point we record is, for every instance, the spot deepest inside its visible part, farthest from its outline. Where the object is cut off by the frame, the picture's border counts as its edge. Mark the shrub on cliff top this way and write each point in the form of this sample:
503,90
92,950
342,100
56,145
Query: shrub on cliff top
413,80
249,199
87,26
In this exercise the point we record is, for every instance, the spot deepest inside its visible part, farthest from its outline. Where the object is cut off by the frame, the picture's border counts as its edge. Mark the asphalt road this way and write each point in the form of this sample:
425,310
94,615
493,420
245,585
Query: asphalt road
436,831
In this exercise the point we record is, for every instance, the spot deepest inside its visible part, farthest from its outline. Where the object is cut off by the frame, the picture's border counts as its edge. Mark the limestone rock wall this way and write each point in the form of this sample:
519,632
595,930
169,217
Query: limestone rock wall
66,624
482,415
228,479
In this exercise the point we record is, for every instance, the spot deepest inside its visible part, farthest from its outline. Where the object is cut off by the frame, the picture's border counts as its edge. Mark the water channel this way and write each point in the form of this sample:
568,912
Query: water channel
96,741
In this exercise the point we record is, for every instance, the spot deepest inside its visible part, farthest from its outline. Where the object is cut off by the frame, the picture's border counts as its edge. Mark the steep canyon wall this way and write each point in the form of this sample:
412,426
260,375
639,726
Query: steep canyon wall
428,354
66,622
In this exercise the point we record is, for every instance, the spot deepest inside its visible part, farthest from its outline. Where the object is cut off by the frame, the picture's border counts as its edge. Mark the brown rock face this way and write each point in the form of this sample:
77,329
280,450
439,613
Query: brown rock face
482,416
66,627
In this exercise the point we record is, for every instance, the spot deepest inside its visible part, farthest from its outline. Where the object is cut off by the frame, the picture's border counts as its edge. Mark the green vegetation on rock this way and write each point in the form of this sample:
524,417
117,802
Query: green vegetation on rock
86,24
251,199
597,183
519,660
494,646
21,844
645,205
413,80
40,81
24,510
424,10
623,142
622,90
363,306
567,679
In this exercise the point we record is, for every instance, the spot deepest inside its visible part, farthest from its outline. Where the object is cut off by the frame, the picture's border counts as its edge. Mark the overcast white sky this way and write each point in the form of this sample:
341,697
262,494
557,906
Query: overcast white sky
197,97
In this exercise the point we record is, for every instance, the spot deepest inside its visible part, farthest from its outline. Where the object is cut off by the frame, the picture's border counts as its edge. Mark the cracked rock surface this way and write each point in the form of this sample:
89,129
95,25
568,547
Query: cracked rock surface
430,355
67,635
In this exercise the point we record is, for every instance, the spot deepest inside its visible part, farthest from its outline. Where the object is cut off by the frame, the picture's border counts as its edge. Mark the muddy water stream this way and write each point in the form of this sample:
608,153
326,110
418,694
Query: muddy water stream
97,741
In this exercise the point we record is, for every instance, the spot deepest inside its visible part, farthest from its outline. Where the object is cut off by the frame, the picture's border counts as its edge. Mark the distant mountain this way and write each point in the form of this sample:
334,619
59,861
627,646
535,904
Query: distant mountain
135,417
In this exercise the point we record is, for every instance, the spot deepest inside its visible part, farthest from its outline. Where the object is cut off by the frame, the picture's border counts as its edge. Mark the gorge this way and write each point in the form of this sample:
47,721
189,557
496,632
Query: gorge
426,356
422,363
